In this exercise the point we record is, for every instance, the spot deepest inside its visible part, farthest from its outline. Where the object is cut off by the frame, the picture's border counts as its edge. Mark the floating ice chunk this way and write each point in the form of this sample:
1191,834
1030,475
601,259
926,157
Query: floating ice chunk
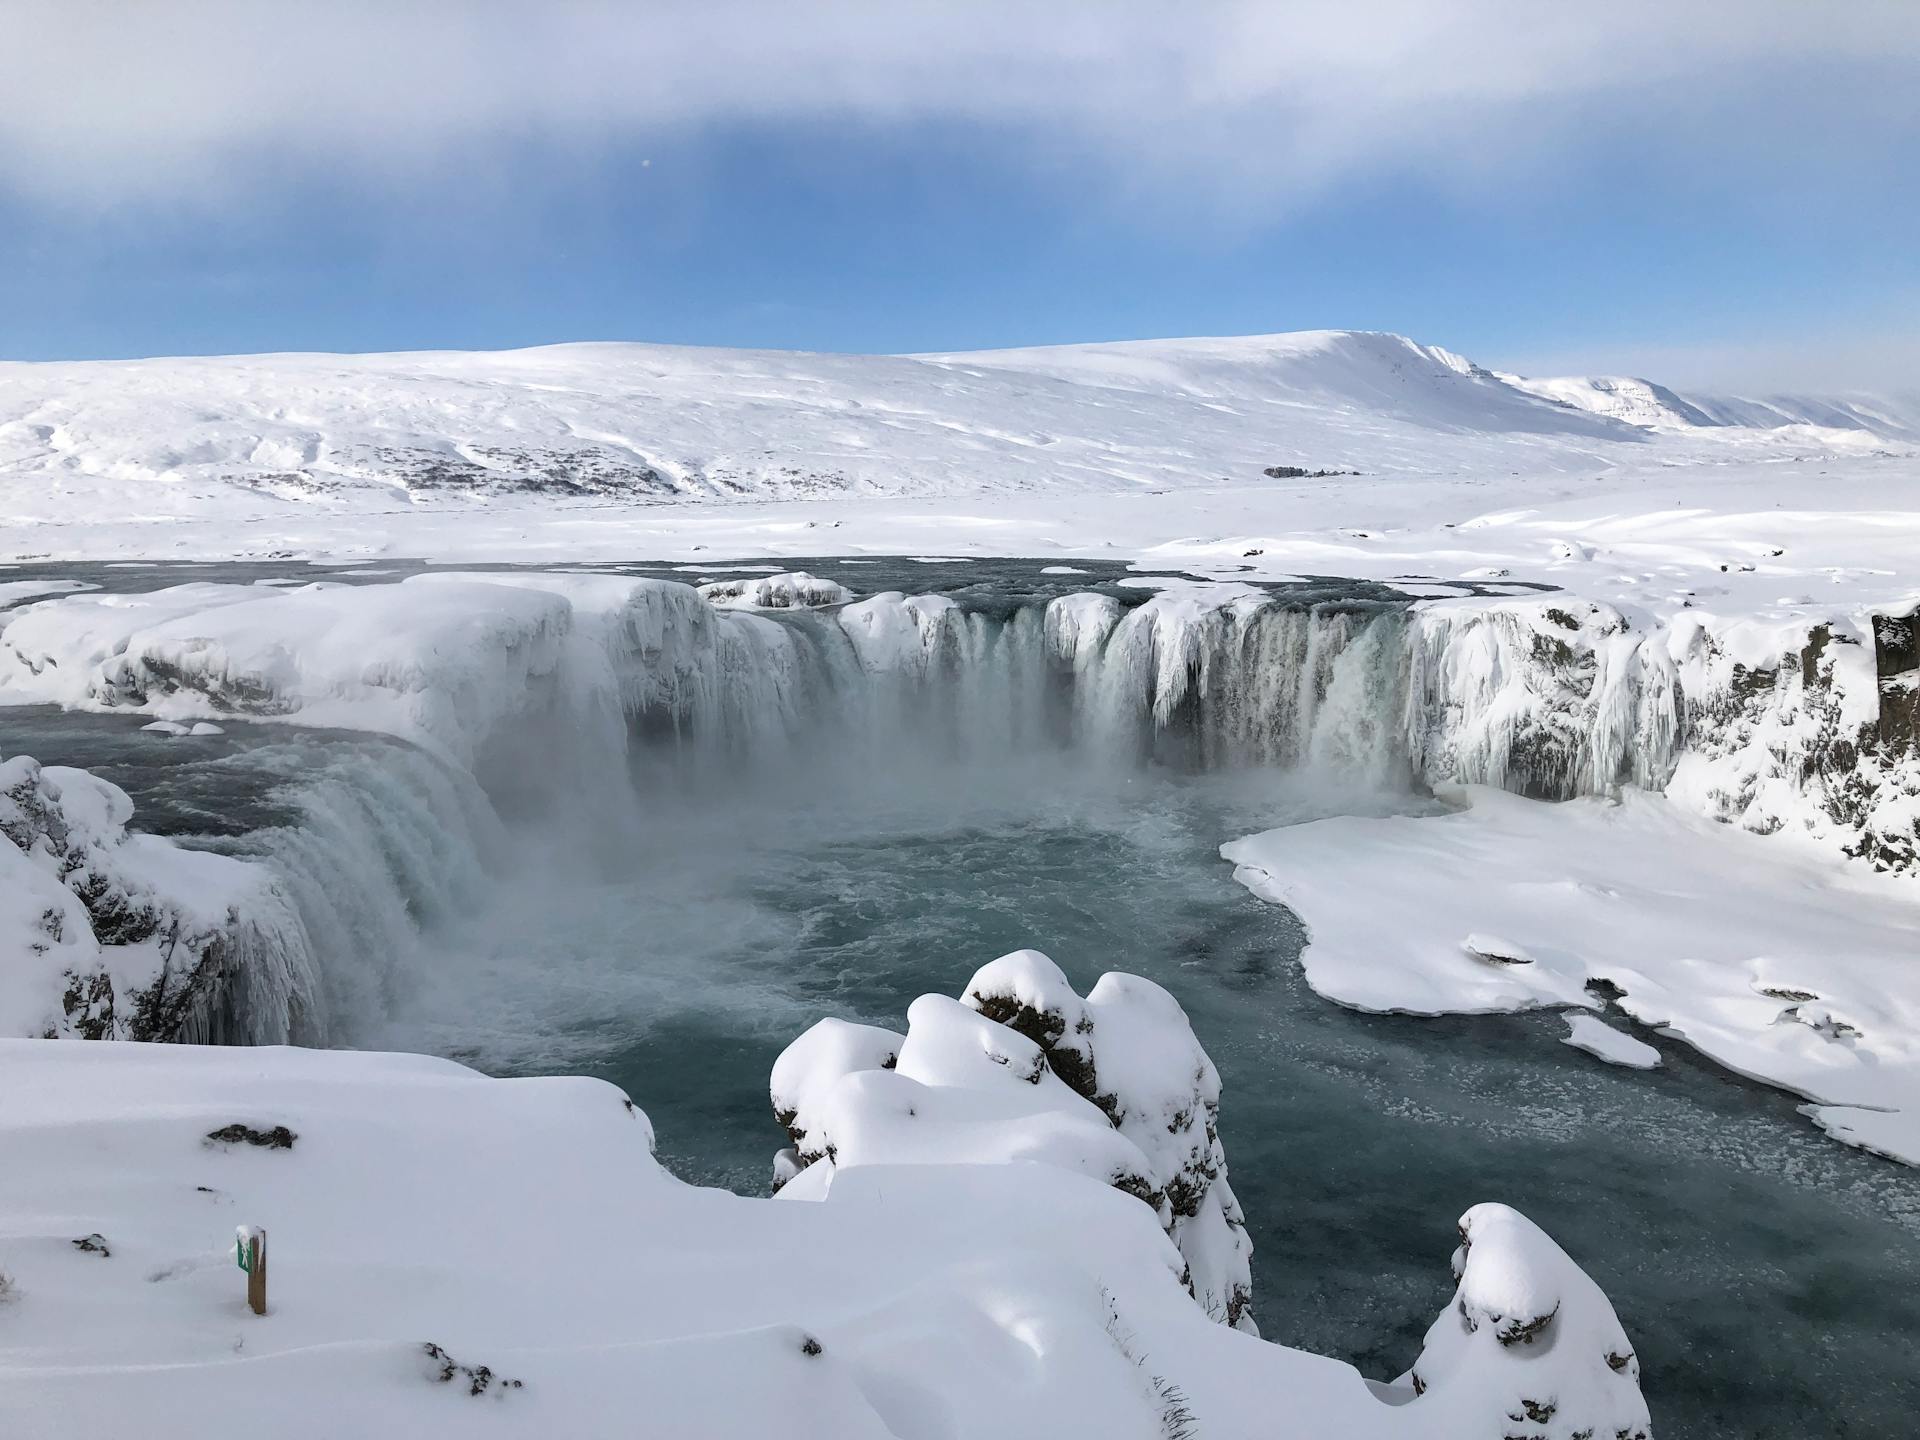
1668,908
1494,949
1601,1040
12,592
1061,570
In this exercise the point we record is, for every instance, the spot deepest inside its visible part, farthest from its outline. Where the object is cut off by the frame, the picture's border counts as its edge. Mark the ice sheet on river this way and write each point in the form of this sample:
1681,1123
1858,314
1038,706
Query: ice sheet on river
1778,961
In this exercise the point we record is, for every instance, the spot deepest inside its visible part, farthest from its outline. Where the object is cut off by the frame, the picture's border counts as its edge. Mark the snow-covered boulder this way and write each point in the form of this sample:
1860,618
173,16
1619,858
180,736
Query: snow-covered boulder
794,590
1529,1342
806,1073
1113,1086
1129,1049
109,934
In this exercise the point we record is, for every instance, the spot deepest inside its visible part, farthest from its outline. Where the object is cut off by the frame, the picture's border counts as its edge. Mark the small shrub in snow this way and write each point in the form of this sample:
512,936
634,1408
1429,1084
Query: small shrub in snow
278,1138
478,1378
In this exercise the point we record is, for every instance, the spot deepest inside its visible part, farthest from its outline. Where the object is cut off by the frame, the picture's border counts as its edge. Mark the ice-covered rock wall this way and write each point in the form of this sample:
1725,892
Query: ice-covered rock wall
575,668
110,934
1767,724
1022,1069
1530,1345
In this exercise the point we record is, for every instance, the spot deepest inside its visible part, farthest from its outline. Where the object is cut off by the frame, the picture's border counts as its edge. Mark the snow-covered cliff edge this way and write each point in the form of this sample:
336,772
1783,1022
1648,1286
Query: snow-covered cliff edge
450,1252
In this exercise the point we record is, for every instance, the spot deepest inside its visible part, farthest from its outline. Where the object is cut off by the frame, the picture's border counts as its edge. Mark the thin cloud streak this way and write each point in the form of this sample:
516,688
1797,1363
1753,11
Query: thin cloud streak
204,102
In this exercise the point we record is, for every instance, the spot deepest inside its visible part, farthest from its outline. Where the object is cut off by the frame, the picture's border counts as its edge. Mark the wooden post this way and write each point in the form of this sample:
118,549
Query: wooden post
250,1253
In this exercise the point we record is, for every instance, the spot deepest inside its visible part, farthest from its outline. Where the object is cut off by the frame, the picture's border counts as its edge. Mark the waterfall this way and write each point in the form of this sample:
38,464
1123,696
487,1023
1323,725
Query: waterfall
559,719
668,696
385,840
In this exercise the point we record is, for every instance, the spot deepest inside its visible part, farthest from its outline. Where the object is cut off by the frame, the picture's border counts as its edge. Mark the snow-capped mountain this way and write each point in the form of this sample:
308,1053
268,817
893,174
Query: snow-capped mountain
664,423
1623,397
1655,407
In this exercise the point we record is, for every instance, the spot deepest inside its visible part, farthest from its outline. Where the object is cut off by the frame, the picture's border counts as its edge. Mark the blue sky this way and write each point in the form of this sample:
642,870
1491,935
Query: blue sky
1635,193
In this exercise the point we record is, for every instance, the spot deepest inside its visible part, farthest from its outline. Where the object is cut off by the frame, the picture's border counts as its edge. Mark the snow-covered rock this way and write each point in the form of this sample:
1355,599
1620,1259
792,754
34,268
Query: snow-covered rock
1793,723
1495,950
1531,1338
106,933
1113,1086
804,1077
787,591
452,1254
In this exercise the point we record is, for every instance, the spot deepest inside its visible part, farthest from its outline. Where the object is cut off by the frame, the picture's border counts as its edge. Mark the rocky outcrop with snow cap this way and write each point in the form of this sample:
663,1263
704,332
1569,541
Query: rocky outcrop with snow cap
111,935
1023,1069
1530,1342
790,591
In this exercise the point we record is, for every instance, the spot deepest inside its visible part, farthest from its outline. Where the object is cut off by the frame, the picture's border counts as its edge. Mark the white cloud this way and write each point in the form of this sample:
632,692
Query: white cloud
107,100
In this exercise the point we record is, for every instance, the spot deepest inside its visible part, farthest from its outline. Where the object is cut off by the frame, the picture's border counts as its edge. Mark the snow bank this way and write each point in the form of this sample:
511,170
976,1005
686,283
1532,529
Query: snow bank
1776,960
110,934
452,1254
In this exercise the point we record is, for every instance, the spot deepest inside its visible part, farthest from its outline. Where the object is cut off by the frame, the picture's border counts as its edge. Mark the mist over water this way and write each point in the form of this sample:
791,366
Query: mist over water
667,891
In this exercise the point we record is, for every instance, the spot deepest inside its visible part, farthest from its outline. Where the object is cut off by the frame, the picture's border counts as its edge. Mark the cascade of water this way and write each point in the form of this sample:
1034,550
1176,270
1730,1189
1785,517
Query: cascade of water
387,840
659,690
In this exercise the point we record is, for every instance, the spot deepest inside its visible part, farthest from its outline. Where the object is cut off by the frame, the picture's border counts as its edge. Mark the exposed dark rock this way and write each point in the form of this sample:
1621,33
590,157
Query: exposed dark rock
478,1378
278,1138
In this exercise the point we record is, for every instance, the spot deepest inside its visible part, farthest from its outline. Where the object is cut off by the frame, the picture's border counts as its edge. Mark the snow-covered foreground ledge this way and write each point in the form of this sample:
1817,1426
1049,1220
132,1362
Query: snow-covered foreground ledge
1777,961
452,1254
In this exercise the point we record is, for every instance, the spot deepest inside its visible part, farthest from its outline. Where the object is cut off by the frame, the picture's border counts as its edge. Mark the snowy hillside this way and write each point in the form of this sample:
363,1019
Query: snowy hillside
657,423
1653,406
